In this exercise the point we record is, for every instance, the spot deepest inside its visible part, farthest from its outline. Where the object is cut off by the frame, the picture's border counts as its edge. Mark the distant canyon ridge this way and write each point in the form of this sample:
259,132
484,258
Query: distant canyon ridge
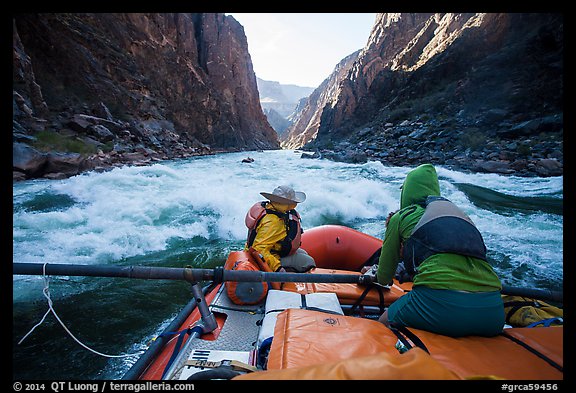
281,102
471,91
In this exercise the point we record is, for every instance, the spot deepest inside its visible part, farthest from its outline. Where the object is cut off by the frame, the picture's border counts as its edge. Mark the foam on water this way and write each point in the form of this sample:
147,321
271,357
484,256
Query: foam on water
192,211
132,211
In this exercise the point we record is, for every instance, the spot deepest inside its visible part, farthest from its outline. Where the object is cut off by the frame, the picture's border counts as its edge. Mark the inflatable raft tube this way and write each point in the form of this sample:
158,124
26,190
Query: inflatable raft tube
339,247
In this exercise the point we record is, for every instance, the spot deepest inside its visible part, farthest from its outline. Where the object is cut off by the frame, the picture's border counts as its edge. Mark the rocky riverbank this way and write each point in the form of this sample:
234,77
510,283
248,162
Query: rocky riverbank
94,143
529,148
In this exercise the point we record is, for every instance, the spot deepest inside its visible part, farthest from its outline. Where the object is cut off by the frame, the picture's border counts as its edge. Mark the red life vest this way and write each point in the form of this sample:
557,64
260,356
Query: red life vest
291,219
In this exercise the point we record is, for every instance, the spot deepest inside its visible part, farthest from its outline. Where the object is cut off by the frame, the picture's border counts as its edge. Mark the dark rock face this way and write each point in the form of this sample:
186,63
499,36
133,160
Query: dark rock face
159,85
482,92
307,119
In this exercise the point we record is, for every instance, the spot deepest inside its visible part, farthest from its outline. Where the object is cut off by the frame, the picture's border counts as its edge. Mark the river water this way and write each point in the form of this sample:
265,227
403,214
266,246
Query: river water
191,212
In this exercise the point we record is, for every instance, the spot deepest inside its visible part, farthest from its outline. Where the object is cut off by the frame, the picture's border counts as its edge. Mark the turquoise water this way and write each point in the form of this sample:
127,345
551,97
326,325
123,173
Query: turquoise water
191,212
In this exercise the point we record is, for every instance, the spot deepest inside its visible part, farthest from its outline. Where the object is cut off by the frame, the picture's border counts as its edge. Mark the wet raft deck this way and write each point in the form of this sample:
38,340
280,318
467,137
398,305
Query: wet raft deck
236,340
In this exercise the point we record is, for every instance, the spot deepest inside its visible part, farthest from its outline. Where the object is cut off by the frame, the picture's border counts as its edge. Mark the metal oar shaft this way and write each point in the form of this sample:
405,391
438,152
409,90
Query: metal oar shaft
243,275
195,275
171,273
143,272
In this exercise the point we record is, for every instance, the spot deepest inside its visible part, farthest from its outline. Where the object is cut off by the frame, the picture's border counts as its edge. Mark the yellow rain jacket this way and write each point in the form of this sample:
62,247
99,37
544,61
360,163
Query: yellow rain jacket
269,233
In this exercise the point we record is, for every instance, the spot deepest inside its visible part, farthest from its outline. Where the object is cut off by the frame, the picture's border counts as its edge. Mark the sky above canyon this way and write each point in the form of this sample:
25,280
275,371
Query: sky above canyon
302,48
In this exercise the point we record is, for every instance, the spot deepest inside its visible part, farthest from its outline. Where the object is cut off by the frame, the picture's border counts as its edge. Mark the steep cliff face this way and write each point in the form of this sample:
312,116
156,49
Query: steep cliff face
489,59
174,84
307,119
456,86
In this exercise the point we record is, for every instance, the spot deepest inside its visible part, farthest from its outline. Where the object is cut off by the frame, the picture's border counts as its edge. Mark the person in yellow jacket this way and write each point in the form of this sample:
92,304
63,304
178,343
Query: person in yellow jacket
274,231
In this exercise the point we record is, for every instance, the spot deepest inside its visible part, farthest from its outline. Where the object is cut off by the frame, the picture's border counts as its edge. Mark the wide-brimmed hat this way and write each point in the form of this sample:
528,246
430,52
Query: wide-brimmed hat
285,194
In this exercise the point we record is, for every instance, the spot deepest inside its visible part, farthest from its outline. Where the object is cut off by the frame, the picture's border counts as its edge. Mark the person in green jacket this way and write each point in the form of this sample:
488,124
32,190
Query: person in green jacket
455,291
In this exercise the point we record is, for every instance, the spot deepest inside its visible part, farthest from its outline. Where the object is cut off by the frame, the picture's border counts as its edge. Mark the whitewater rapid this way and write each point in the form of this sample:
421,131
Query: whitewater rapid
98,218
191,212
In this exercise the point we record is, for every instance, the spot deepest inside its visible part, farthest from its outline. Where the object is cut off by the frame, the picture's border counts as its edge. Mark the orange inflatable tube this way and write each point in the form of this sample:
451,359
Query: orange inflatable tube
349,293
412,365
244,292
307,338
341,250
336,249
339,247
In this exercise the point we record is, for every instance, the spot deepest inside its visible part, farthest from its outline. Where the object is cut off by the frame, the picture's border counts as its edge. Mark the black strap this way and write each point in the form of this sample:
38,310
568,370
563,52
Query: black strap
363,295
402,332
359,300
522,303
176,350
534,351
381,299
222,372
218,274
373,260
402,339
306,308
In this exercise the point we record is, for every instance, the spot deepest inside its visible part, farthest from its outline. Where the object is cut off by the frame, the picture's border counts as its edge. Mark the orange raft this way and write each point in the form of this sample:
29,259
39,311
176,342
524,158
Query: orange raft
336,250
303,339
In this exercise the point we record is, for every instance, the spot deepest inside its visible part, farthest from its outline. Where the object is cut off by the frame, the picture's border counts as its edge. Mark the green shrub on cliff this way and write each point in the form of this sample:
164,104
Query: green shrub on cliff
53,141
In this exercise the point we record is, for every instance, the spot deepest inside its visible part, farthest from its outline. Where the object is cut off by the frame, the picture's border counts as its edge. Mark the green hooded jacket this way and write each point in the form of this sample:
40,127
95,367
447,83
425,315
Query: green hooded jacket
439,271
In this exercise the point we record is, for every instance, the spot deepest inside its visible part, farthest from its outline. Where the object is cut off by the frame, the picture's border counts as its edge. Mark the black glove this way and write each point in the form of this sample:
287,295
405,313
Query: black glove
402,274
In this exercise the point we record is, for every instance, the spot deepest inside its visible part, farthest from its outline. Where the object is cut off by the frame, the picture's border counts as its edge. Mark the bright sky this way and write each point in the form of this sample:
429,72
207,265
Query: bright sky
302,49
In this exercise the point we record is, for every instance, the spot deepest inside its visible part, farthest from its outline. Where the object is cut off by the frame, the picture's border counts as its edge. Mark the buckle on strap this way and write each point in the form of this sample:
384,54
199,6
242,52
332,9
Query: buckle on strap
234,364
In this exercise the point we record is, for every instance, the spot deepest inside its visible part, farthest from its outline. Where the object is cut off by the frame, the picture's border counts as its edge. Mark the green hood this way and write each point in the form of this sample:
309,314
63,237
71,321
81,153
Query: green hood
419,183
